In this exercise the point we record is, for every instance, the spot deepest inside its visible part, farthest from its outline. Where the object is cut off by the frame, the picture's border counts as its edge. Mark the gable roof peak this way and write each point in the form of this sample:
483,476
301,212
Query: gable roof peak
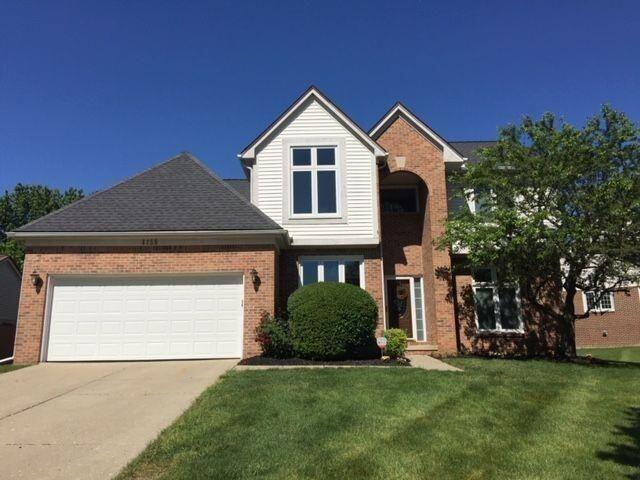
249,152
399,110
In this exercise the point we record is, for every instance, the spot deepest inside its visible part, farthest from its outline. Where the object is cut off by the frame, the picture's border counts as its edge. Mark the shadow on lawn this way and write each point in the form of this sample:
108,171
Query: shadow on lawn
627,450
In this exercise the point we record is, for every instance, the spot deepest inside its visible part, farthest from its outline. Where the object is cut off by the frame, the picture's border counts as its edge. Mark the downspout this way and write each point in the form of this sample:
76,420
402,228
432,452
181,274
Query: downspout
6,360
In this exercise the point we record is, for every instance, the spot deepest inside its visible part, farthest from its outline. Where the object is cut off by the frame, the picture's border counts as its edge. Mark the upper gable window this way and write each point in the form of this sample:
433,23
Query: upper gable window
399,200
314,181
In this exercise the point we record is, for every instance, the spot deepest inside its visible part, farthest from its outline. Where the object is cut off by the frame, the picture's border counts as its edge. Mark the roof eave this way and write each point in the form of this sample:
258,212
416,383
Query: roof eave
277,236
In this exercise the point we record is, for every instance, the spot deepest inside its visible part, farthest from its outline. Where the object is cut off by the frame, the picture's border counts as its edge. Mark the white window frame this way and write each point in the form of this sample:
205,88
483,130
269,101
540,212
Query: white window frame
314,168
598,308
330,258
493,284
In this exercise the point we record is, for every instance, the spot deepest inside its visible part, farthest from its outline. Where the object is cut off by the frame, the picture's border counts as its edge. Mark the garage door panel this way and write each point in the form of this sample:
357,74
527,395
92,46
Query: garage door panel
119,318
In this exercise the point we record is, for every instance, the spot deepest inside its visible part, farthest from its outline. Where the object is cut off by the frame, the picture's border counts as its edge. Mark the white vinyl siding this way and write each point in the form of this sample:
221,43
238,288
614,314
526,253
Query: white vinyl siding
358,215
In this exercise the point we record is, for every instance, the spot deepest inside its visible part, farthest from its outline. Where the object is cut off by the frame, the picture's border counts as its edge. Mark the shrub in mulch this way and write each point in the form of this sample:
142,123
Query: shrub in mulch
332,321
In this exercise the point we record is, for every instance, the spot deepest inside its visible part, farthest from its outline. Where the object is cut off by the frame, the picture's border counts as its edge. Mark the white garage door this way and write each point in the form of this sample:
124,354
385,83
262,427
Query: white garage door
145,318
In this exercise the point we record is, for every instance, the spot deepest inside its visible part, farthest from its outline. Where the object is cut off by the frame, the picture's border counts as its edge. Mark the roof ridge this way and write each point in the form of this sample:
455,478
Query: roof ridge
216,177
98,192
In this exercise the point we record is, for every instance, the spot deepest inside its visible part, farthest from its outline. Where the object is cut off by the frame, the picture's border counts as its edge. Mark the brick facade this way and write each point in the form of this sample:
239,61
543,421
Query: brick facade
539,333
622,326
407,241
143,261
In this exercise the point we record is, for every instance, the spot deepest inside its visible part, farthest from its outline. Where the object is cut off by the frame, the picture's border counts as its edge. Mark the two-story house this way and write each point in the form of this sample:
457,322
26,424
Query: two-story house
177,263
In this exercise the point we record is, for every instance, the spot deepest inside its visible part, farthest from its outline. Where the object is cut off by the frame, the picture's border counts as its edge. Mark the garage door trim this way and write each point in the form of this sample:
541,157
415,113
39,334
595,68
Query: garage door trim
53,278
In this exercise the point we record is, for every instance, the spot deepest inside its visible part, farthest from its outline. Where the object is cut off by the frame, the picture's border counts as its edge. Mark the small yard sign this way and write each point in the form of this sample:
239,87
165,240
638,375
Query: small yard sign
382,342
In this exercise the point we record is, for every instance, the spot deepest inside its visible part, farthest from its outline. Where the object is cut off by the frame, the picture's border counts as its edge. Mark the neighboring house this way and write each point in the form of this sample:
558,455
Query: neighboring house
178,263
9,299
613,321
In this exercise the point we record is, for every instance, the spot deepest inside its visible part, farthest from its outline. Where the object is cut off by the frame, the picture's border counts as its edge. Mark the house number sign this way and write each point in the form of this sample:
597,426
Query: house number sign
149,242
382,342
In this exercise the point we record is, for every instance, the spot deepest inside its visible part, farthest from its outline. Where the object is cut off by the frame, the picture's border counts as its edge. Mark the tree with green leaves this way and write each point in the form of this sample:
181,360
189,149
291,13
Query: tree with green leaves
24,204
557,207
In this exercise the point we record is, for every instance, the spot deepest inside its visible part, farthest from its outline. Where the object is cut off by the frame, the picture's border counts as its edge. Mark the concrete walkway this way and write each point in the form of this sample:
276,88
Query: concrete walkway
429,363
88,420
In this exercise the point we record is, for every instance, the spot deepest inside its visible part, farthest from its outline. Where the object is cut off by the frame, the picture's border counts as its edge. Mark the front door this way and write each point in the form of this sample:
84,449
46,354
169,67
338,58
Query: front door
399,305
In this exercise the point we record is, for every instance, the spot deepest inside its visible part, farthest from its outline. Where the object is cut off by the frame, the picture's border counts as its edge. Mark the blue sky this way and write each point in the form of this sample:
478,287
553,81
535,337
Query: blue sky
92,92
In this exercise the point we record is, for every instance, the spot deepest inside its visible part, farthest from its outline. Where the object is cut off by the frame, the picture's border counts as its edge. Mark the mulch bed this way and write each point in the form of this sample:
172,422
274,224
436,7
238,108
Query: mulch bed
373,362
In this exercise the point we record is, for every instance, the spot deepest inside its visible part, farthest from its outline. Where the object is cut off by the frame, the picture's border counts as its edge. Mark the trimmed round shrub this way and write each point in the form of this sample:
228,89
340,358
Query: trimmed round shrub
332,320
274,337
396,342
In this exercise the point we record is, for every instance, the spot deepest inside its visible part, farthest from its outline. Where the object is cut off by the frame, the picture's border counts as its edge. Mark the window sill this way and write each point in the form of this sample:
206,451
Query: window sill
313,219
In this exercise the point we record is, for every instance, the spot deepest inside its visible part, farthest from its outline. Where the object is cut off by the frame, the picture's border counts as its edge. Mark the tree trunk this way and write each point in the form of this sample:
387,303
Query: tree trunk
566,342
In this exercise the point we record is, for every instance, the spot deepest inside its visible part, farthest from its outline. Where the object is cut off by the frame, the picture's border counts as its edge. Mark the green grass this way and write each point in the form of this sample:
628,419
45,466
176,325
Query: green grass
620,354
10,367
498,419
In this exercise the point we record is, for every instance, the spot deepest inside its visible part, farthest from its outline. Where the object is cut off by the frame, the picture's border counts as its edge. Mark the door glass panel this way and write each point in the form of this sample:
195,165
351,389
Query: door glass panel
417,294
331,271
352,272
399,304
309,272
485,308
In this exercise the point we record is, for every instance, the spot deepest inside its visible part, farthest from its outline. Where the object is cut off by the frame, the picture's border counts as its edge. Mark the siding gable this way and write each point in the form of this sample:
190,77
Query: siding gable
359,224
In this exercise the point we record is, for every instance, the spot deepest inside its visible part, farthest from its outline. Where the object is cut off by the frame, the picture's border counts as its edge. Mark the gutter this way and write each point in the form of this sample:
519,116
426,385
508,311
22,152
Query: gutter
279,236
152,233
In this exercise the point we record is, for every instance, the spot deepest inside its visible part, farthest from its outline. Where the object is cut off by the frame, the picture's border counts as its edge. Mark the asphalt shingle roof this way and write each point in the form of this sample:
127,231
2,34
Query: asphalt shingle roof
469,149
240,185
180,194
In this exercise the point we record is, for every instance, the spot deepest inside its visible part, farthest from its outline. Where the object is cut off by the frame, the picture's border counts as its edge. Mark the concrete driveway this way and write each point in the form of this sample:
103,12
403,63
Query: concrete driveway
88,420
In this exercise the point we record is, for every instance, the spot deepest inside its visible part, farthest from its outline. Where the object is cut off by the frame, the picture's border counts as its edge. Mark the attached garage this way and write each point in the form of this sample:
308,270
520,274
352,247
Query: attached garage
173,263
144,318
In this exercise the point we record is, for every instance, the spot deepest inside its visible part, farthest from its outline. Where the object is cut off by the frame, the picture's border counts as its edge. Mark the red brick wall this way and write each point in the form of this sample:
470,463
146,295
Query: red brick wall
539,329
288,269
622,325
405,253
144,260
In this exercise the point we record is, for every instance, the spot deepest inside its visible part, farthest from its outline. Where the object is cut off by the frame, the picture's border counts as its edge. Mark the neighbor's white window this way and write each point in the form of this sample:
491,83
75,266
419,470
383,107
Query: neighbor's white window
331,269
314,181
497,307
605,304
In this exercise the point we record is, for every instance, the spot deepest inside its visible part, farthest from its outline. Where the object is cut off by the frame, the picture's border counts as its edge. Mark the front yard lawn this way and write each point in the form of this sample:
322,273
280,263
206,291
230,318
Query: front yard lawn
619,354
498,419
10,367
